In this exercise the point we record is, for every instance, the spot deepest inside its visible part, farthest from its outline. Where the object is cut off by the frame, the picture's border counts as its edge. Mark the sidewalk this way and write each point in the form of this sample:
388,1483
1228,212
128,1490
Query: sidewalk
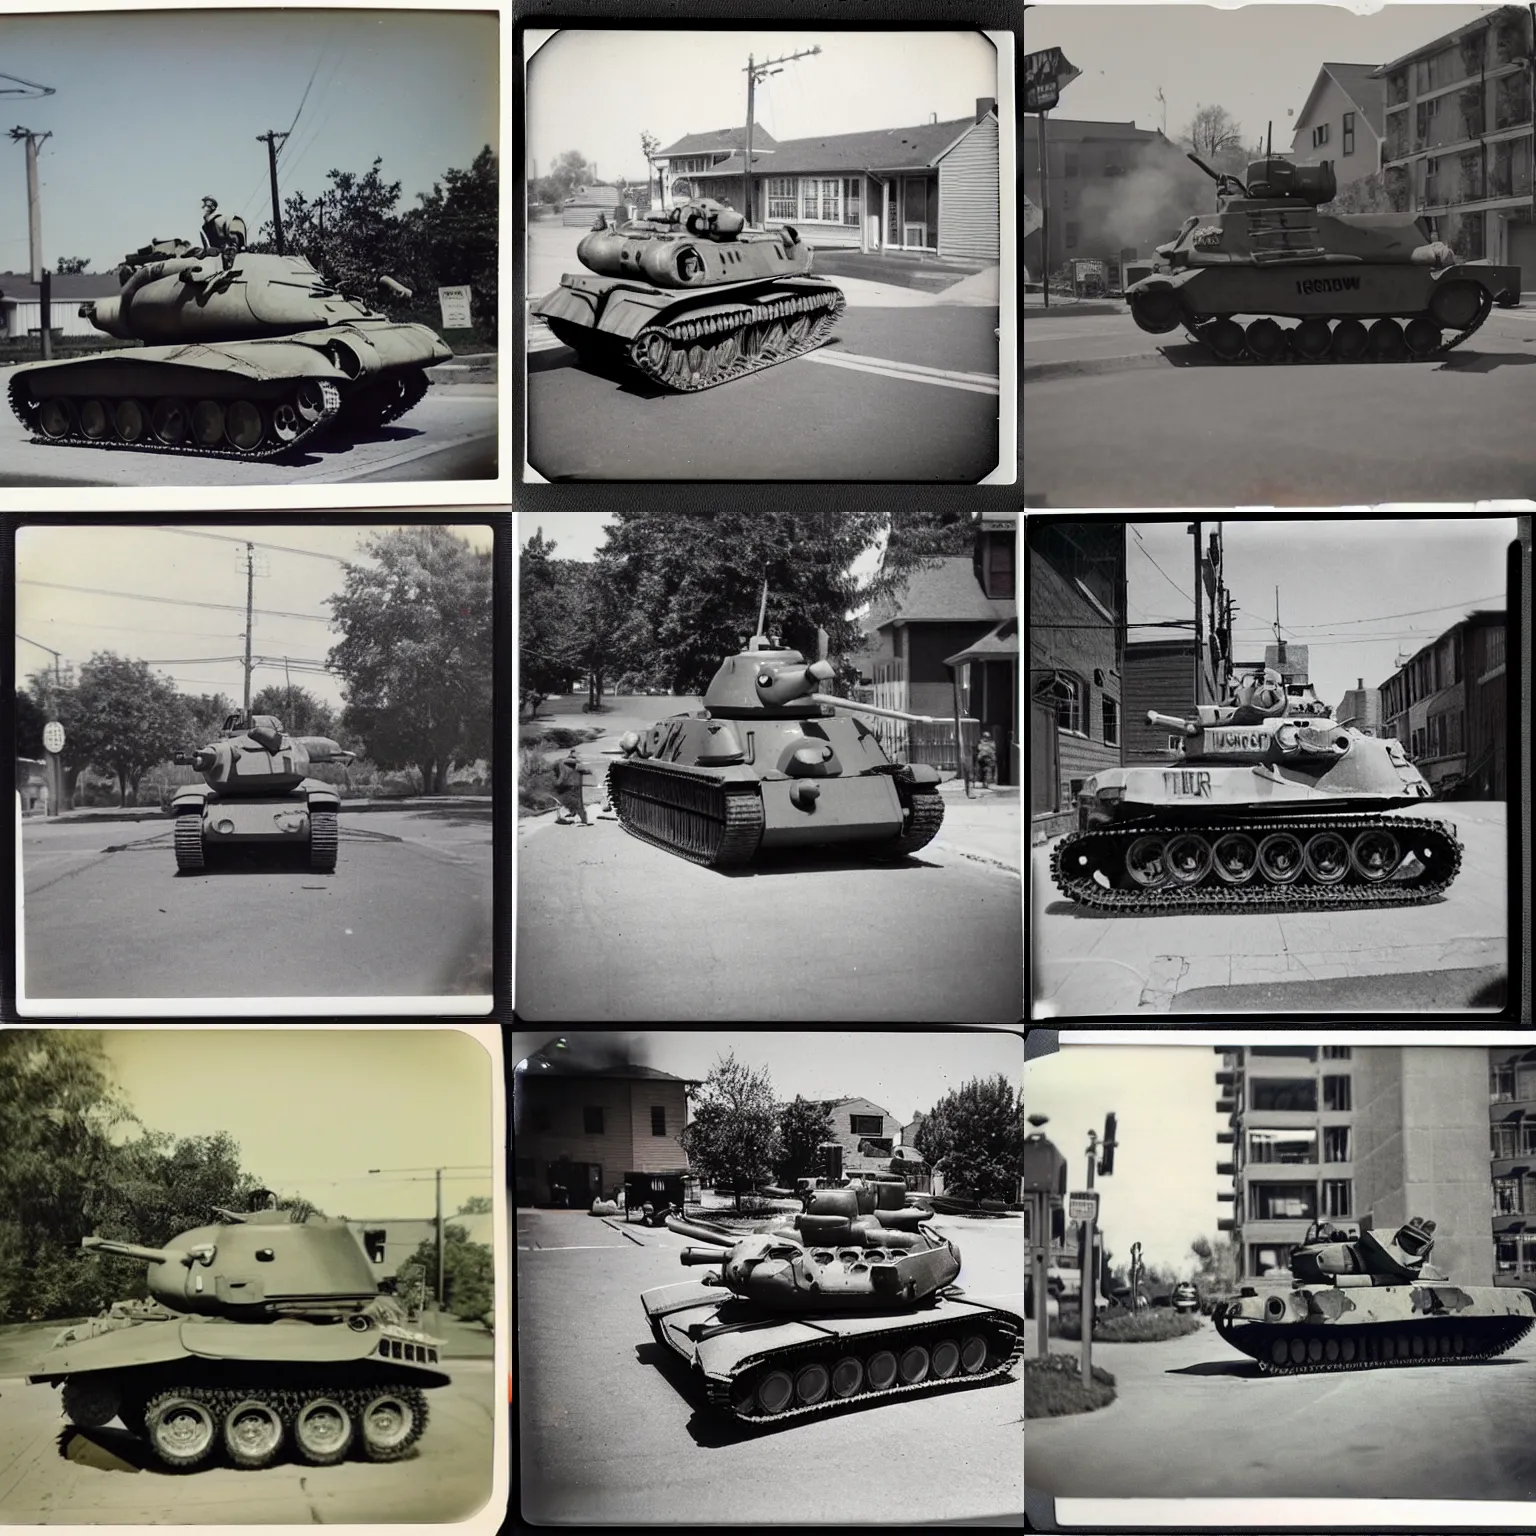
986,828
1035,306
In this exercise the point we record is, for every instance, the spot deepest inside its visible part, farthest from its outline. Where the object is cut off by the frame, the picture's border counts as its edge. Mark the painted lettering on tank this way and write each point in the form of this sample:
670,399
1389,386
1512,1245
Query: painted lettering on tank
1187,781
1327,284
1236,741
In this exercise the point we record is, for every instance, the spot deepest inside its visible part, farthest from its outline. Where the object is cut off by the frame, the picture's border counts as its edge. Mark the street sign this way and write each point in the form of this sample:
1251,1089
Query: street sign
455,307
1033,218
1083,1206
1045,73
53,736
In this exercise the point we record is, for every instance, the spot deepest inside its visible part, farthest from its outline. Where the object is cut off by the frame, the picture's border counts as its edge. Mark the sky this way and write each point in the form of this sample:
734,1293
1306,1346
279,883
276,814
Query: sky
313,1109
1343,584
900,1072
156,110
596,91
1258,61
1162,1192
175,573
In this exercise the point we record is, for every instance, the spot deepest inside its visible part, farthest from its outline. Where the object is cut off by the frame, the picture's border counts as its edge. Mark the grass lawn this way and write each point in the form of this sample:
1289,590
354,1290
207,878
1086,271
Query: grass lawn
1053,1386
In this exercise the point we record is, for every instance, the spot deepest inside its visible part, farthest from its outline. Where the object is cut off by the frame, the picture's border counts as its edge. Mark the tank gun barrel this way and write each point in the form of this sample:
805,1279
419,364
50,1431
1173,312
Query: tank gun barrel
870,709
1191,155
700,1256
702,1232
1173,722
136,1251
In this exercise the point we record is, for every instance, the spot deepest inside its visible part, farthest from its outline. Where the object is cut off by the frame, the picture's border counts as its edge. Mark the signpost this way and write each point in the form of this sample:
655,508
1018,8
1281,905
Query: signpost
1045,73
53,744
455,307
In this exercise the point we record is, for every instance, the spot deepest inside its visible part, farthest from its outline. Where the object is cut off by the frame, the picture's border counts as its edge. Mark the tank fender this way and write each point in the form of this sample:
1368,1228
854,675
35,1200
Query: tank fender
287,1339
320,795
190,797
116,1350
919,773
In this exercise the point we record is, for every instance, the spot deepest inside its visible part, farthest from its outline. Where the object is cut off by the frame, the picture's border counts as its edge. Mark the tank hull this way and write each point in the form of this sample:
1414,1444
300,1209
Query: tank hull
732,1347
305,817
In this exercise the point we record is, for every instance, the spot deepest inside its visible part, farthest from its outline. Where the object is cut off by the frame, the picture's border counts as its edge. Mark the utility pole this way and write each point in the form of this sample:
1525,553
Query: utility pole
755,71
272,139
439,1242
40,274
1199,612
250,591
1045,214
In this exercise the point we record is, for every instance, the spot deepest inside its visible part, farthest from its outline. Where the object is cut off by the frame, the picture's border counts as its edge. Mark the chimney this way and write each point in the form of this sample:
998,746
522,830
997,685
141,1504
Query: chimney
1359,682
984,104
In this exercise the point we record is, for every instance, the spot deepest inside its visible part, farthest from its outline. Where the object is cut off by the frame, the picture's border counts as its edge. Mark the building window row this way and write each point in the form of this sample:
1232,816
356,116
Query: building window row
592,1119
1334,1198
1508,1196
1515,1255
1513,1139
1508,1081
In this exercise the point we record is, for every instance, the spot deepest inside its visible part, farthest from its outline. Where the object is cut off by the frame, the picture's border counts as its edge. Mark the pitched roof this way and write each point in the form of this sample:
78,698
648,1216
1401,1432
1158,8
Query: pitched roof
76,285
717,139
588,1056
947,592
1361,84
1000,643
880,148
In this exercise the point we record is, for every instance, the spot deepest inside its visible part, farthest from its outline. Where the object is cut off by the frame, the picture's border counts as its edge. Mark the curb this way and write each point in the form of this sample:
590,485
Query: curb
1067,368
1075,311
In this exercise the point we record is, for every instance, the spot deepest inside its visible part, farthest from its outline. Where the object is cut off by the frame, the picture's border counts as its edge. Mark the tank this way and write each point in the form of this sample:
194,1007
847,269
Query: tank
1270,252
690,298
246,356
769,762
254,790
845,1304
1270,802
1371,1299
264,1335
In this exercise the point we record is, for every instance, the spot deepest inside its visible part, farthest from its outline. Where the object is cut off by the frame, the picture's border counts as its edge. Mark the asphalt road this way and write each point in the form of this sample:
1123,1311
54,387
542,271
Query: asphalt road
613,1433
877,402
451,432
1440,954
406,913
1181,432
610,928
53,1473
1193,1418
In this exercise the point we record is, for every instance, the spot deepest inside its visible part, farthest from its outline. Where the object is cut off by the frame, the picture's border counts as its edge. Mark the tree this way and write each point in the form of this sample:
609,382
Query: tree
125,718
300,711
733,1137
207,713
468,1271
453,235
30,721
67,266
415,662
476,1205
978,1143
650,144
56,695
803,1125
542,623
595,611
1218,1266
1212,130
1366,194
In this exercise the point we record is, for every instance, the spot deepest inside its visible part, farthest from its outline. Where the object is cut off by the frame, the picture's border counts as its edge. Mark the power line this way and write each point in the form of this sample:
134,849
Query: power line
1164,574
224,538
183,602
1410,614
305,97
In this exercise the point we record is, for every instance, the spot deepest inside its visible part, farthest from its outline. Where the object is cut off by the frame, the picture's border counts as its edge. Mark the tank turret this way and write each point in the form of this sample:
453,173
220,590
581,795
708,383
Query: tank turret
655,301
1270,250
245,355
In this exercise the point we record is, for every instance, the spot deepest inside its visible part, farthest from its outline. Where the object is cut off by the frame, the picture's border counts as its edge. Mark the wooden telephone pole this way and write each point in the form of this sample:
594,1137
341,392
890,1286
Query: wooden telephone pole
40,274
753,72
274,141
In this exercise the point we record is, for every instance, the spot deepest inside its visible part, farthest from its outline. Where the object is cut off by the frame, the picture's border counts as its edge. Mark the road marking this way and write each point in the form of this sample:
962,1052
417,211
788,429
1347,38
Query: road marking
912,373
571,1248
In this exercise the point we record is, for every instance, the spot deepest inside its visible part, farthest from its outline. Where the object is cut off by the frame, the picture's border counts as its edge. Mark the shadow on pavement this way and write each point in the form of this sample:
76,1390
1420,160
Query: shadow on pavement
803,861
107,1450
1484,362
1244,1370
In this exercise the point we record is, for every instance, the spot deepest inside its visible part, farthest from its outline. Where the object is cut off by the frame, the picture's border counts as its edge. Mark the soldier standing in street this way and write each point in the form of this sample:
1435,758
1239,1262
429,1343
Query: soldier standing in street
568,776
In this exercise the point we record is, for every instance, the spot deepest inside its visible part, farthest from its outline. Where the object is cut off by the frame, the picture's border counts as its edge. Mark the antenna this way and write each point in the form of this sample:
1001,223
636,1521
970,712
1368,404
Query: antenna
1269,145
762,607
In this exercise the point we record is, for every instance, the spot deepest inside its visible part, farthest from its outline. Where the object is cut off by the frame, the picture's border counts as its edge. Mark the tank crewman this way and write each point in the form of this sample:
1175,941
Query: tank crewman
221,234
568,776
986,760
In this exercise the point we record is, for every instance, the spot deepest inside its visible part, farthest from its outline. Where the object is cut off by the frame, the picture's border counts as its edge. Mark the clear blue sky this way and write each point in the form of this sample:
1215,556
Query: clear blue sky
1349,587
595,91
154,111
1257,61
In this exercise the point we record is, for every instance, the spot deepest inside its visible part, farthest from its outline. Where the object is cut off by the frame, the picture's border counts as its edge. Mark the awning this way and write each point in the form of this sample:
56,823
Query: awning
1513,1114
1000,643
1503,1225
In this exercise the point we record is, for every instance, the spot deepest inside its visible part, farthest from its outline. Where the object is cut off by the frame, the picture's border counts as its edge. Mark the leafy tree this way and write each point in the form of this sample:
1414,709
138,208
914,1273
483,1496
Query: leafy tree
977,1142
543,626
55,694
416,657
300,711
650,144
595,611
454,236
468,1271
67,266
125,718
1218,1265
476,1205
207,713
30,721
733,1137
803,1125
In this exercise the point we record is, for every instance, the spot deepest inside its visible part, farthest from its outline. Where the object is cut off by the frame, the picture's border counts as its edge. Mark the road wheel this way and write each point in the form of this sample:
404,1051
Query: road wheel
1422,336
1187,858
1235,858
1347,1350
208,423
1312,339
253,1433
1226,339
55,419
882,1369
129,421
1349,337
181,1429
1279,1351
391,1422
95,422
170,421
286,421
1374,854
1455,304
973,1353
915,1363
309,402
90,1402
811,1384
1327,858
1331,1350
323,1431
1384,342
946,1359
847,1376
775,1392
1280,858
244,426
1146,861
1266,341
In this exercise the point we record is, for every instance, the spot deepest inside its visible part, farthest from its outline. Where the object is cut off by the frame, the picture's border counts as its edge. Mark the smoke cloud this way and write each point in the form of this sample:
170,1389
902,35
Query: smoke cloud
1145,207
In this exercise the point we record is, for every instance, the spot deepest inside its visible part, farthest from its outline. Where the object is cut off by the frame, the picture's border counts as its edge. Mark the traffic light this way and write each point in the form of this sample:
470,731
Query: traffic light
1107,1146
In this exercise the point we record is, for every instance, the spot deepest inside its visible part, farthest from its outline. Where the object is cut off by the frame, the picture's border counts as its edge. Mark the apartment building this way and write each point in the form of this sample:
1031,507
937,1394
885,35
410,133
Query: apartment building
1459,140
1290,1118
1512,1166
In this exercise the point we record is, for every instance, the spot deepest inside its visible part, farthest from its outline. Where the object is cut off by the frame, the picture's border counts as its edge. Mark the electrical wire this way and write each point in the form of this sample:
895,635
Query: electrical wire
225,538
1166,577
305,97
181,602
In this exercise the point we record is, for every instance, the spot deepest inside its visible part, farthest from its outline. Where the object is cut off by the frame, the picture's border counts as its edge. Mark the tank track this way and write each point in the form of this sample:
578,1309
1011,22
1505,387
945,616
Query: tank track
287,1401
926,816
322,841
330,408
1197,333
410,392
1005,1346
711,346
189,840
693,817
1481,1338
1215,896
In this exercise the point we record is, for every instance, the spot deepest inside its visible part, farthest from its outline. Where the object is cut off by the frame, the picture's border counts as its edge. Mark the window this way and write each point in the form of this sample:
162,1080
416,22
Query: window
852,188
1502,1139
1335,1143
1349,133
1066,199
373,1242
1282,1146
1284,1202
866,1125
781,198
1073,231
1337,1197
1493,653
1319,135
658,1120
1336,1093
1285,1095
1069,164
1111,723
1506,1198
1265,1256
810,191
1506,1255
1068,695
1337,1052
592,1119
1175,743
1501,1083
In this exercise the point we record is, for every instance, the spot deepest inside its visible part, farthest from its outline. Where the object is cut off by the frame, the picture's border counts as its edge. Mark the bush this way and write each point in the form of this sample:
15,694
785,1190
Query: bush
535,782
1053,1386
1118,1326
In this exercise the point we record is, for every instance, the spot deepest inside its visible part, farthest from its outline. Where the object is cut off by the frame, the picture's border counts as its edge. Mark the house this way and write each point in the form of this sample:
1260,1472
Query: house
21,304
1460,137
584,1116
955,620
930,188
1159,674
868,1132
696,154
583,206
1360,708
1342,122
